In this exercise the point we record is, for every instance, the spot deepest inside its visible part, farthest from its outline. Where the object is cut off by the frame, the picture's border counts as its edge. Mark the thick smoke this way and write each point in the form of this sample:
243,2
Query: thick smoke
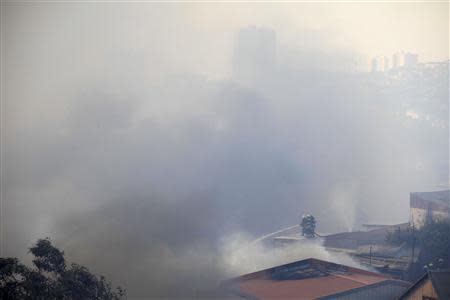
160,177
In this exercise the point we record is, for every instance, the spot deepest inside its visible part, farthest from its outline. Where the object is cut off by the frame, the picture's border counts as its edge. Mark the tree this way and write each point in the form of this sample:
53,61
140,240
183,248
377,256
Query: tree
401,236
50,278
433,242
308,225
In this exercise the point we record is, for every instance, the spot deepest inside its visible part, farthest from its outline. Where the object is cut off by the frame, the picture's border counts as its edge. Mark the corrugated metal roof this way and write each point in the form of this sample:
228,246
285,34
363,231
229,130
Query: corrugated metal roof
305,279
384,290
441,283
436,196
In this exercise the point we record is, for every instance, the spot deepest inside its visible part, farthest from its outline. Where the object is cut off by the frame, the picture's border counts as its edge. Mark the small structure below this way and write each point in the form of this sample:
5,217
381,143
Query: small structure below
433,285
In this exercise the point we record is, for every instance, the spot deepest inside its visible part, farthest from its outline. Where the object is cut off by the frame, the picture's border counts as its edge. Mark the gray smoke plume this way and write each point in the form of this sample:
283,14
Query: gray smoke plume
158,176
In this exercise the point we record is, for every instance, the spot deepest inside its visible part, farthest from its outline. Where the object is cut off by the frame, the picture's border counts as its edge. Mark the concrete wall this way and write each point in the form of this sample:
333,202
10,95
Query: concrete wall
424,289
418,216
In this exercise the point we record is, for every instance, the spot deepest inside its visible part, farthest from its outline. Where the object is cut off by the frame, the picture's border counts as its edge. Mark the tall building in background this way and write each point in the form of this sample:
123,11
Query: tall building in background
374,65
254,54
386,65
360,63
380,64
398,60
411,59
402,59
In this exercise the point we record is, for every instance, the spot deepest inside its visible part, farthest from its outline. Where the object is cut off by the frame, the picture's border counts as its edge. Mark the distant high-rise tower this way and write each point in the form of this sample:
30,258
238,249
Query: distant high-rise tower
386,65
380,64
360,63
411,59
254,54
402,59
398,60
374,65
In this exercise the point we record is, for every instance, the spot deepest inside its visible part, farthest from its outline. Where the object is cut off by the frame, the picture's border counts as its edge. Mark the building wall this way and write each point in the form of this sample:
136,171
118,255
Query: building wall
424,289
418,216
421,208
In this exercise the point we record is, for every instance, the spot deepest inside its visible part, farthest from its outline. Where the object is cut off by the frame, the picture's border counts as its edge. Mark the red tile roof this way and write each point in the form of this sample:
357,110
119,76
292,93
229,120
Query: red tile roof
305,279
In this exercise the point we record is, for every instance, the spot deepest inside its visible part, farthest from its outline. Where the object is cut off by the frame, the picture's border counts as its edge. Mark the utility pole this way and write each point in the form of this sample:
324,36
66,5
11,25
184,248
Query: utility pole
370,255
413,243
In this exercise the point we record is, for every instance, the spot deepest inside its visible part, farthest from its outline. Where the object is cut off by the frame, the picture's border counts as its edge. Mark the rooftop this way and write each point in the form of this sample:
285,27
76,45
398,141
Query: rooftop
436,196
388,289
304,279
440,280
441,283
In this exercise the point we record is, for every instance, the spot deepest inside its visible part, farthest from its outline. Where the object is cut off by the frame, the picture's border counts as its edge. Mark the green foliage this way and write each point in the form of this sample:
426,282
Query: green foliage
47,257
308,225
432,242
51,278
399,236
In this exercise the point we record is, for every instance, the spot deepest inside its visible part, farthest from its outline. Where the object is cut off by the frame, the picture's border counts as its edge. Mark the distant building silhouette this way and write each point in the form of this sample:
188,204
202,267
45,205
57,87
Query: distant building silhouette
374,65
380,64
399,59
411,59
402,59
254,54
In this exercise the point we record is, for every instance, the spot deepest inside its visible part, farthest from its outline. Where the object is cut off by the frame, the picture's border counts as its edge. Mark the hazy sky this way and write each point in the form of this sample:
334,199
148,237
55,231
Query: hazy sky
197,36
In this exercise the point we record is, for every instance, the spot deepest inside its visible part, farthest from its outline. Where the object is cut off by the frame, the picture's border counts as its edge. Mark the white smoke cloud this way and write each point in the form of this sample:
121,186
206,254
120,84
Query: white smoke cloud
241,254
